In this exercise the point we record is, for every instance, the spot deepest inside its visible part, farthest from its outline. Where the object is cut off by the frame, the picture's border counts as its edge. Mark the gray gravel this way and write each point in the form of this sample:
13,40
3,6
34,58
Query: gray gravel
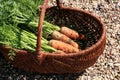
108,65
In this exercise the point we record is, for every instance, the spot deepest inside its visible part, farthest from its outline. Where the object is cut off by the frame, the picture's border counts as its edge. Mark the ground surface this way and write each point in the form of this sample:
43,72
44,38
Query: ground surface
108,65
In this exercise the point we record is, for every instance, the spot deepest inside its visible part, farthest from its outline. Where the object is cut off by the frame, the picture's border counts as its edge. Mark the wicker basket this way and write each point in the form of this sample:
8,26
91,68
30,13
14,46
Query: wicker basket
82,21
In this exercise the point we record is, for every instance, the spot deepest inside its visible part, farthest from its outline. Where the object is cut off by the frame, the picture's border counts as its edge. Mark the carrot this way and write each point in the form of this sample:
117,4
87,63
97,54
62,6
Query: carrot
72,33
59,36
63,46
82,37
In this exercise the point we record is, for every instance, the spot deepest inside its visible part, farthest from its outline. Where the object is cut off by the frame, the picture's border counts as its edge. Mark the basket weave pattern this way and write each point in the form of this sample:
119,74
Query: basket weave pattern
81,21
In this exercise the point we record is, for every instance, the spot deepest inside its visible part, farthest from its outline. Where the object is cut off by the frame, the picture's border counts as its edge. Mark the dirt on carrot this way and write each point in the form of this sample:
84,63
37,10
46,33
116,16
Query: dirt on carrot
63,46
59,36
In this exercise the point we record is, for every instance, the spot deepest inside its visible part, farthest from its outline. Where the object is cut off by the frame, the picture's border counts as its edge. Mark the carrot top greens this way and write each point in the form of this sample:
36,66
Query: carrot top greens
19,23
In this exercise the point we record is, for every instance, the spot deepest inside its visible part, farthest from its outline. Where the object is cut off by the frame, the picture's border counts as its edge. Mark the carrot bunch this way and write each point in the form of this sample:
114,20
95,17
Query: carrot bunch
63,40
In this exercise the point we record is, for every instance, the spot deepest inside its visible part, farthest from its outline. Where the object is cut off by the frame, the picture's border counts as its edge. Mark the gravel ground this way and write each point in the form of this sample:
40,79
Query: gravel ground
108,65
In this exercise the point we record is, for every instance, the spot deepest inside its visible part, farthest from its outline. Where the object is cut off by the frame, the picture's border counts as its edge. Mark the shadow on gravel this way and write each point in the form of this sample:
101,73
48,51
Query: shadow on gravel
8,72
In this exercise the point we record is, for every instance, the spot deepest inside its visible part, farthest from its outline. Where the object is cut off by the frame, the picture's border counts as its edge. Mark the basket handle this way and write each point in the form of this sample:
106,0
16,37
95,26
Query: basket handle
59,3
40,23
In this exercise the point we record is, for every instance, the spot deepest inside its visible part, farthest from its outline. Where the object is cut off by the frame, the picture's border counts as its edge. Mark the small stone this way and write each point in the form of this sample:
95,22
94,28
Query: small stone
37,76
117,64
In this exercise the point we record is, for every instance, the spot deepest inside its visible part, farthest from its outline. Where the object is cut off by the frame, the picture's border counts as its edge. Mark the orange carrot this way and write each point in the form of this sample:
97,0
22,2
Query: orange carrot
72,33
59,36
63,46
